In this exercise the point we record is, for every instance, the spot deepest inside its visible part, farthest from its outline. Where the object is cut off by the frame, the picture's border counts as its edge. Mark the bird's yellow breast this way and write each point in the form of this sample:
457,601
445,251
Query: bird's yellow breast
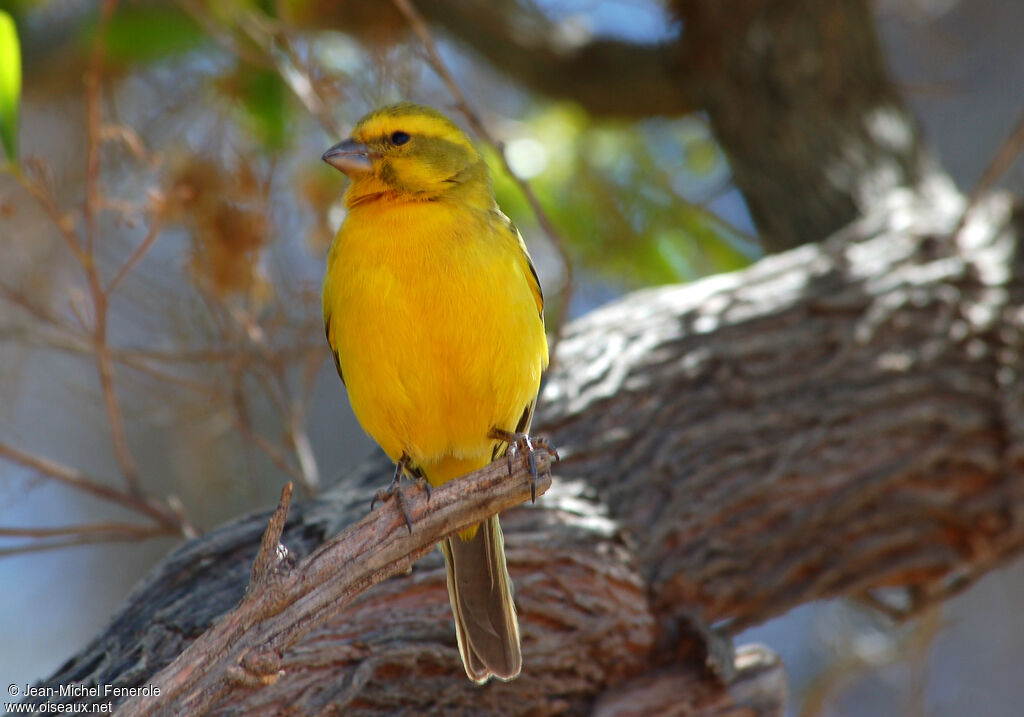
436,329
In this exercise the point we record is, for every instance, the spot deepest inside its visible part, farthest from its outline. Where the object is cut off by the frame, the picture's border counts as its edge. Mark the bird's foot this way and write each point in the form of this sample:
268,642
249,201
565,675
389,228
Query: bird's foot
527,446
394,489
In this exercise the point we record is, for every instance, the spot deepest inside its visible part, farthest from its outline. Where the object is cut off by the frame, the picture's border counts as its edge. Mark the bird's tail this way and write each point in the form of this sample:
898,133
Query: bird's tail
481,594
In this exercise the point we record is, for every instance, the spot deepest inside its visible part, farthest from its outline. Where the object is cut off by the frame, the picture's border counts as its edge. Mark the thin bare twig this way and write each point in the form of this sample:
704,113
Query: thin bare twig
44,539
268,32
286,354
40,313
1002,160
71,541
63,223
997,167
274,380
105,367
171,523
271,450
299,433
74,303
145,366
93,203
664,179
83,529
214,28
272,553
298,438
422,31
65,338
94,142
245,646
130,138
136,256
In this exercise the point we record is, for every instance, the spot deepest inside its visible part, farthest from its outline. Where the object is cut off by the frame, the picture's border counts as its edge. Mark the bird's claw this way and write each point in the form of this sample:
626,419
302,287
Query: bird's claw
386,494
528,446
394,490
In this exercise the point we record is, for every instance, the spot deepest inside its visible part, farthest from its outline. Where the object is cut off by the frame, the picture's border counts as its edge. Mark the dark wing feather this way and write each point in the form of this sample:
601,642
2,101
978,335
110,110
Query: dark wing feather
529,270
327,332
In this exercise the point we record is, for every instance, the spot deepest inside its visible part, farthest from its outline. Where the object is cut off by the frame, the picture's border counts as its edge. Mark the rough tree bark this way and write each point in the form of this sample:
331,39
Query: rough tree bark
799,98
836,419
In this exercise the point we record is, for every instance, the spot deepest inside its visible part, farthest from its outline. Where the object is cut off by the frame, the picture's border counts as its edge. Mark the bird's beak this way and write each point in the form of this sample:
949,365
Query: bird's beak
349,157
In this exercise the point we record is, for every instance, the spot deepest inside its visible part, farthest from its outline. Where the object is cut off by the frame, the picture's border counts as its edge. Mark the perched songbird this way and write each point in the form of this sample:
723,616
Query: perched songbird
435,315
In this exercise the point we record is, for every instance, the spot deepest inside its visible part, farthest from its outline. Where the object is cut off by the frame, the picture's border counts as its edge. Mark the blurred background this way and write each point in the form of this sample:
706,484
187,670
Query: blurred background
162,237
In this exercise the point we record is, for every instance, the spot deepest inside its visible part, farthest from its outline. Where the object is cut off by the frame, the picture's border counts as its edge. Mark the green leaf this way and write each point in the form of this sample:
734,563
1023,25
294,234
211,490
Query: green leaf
10,85
702,156
265,99
139,34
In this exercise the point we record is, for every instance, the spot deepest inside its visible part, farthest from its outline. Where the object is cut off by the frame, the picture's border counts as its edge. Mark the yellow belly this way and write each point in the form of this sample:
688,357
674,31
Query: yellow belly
436,329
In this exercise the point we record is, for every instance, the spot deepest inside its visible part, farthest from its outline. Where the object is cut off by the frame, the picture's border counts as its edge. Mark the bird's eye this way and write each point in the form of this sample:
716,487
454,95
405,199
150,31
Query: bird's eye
399,138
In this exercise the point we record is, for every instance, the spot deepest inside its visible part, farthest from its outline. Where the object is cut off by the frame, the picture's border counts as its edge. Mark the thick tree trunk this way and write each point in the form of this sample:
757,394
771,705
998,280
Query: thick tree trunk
799,98
797,93
804,408
836,419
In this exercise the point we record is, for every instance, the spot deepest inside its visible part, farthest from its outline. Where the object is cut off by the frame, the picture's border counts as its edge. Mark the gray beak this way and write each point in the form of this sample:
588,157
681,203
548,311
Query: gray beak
349,157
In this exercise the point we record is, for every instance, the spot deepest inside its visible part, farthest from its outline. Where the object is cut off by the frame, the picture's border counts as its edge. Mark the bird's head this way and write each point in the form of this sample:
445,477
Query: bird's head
409,152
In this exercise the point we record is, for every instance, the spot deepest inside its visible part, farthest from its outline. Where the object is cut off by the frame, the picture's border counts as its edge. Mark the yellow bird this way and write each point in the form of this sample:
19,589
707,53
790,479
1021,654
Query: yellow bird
434,312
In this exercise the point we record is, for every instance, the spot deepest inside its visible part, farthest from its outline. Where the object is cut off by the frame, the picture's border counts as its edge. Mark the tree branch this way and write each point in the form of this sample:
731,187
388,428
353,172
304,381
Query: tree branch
759,689
607,77
832,421
245,647
158,512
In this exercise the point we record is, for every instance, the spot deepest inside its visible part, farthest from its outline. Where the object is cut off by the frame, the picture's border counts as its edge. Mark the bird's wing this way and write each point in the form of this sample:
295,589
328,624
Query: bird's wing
327,331
529,270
